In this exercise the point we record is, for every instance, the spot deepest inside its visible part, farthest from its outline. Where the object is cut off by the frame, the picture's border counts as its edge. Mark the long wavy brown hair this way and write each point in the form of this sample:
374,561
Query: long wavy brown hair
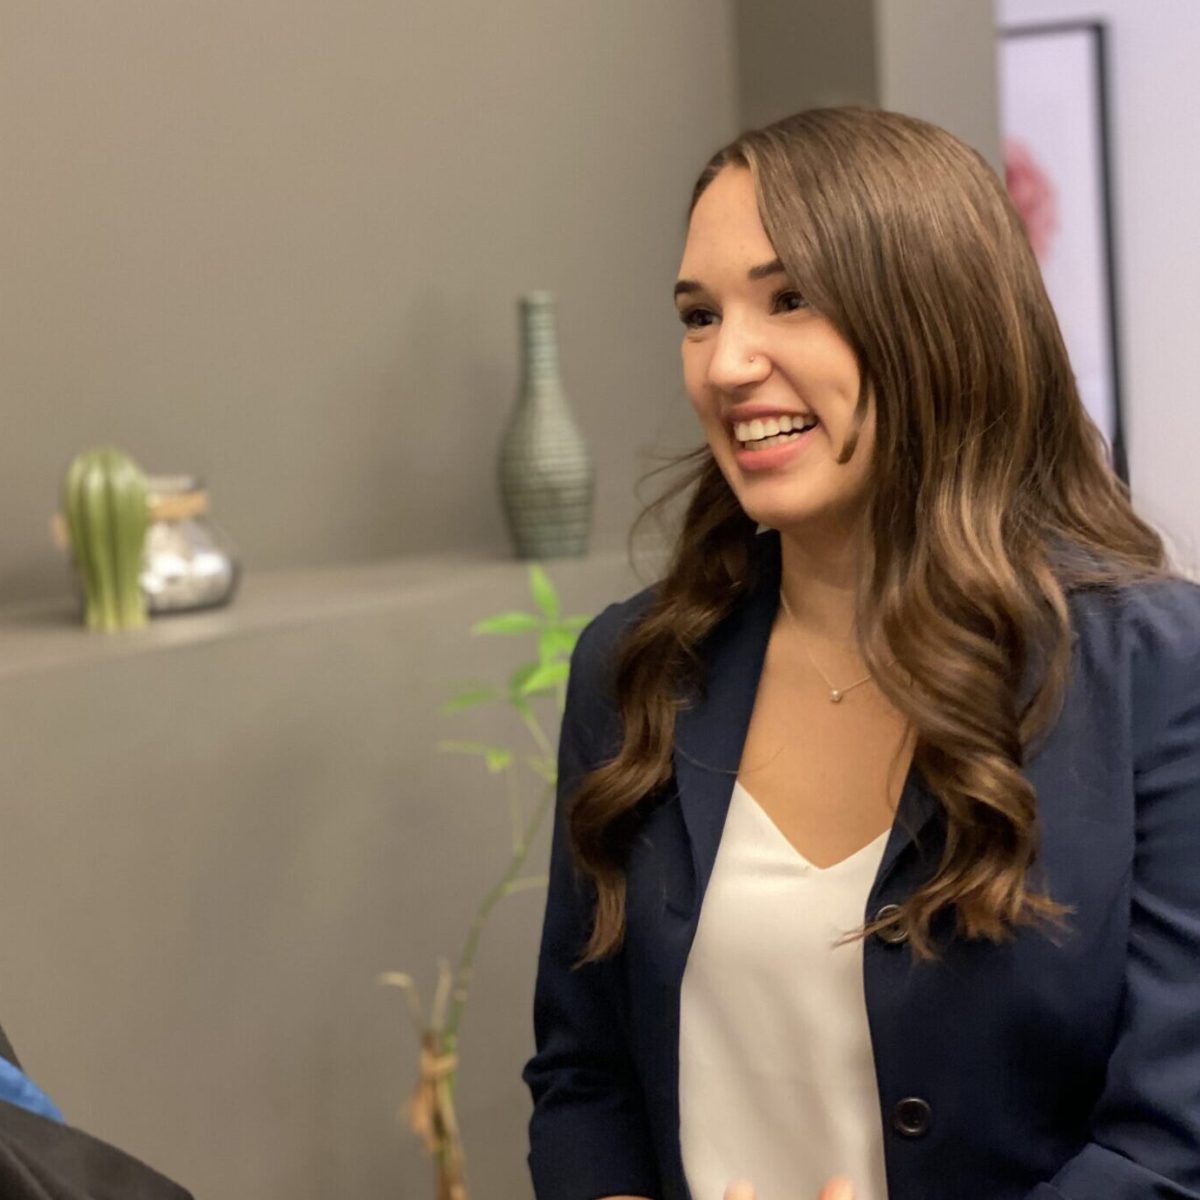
906,240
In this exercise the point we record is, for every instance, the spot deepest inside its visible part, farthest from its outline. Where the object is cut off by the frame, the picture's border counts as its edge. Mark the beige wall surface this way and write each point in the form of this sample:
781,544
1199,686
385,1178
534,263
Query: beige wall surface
279,243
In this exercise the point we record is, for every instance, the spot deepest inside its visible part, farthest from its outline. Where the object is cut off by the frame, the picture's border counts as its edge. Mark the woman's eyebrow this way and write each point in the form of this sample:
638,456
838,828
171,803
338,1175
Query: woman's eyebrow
685,287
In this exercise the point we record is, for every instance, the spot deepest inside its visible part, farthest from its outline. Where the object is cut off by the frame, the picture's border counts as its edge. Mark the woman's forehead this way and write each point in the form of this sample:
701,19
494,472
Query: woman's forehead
725,232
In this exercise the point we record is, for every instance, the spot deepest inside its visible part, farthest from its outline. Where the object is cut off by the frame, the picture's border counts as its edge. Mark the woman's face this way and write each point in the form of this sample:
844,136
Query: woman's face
752,344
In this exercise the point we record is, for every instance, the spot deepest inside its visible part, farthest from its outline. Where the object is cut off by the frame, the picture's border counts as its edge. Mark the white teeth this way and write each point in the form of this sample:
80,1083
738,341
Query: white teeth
778,440
747,431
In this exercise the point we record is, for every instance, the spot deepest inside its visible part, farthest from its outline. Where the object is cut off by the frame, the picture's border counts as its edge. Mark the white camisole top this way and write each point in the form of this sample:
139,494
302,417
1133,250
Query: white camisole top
776,1073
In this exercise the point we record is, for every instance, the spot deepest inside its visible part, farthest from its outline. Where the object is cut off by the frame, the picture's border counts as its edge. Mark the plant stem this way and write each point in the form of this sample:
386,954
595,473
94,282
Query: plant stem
535,727
514,810
462,975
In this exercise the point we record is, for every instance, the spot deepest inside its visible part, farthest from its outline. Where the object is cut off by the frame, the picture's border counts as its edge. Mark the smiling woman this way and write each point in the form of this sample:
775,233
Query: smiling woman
874,852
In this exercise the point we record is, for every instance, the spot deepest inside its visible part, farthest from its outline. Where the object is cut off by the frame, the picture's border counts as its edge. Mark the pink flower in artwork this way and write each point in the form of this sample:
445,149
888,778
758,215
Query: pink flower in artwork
1033,194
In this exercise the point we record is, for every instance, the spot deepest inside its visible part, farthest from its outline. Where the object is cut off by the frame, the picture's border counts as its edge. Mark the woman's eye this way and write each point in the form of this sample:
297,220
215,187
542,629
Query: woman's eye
690,317
700,318
790,295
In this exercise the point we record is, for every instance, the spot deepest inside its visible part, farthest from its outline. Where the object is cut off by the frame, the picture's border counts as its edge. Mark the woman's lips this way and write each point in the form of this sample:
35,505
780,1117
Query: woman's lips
774,456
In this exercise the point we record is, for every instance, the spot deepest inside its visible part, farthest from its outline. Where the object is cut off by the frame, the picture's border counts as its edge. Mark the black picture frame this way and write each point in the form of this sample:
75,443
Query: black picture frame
1084,69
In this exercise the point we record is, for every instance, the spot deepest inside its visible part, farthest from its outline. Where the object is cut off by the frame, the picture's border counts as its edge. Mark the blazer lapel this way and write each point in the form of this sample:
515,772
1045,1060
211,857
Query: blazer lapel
711,732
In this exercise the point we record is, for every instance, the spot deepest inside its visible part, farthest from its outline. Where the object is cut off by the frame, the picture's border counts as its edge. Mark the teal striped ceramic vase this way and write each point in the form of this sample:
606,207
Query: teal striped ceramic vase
546,476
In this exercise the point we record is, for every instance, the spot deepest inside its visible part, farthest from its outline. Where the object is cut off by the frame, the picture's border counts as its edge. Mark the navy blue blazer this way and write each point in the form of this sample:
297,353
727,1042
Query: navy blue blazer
1021,1071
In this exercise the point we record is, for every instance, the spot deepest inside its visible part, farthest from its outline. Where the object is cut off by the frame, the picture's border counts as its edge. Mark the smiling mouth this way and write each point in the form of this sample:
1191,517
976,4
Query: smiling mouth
761,435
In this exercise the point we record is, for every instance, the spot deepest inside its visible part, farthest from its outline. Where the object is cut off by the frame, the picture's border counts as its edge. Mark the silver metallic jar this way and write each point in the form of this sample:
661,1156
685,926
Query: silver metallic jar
188,562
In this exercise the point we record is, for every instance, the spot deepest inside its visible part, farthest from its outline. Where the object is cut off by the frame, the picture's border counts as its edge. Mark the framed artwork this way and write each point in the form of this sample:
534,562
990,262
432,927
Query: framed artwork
1055,126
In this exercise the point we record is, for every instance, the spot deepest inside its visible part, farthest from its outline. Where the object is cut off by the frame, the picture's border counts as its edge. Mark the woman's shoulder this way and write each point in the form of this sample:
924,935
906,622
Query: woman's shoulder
1161,620
1151,608
1158,670
591,701
603,631
596,644
1143,637
1152,615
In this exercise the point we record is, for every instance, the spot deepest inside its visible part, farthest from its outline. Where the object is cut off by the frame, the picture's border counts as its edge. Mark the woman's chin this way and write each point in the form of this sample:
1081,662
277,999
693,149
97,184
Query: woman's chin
785,515
808,516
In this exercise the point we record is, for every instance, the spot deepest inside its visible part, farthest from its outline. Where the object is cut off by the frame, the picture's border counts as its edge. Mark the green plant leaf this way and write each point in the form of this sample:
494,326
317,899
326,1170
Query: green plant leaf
544,677
543,591
516,681
576,621
556,641
522,707
470,698
508,622
498,759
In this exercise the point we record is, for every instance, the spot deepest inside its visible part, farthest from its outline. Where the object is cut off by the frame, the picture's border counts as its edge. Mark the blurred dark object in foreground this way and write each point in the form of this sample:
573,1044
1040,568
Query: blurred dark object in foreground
42,1159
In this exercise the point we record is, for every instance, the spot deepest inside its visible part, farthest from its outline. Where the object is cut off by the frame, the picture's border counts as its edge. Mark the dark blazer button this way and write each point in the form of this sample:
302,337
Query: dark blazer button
910,1117
893,934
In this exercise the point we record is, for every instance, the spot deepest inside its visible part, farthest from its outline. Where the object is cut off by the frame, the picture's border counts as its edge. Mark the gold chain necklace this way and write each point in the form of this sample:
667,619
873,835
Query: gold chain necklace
835,694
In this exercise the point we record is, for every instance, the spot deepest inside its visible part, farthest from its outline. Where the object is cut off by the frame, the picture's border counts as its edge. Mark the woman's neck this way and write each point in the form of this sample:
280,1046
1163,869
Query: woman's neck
818,579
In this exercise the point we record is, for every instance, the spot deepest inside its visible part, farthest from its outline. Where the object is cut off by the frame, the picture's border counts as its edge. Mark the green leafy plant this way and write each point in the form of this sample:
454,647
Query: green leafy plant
430,1111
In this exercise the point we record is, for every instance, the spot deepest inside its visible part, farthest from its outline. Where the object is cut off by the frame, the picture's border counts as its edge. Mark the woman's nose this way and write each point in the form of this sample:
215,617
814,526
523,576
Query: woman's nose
737,362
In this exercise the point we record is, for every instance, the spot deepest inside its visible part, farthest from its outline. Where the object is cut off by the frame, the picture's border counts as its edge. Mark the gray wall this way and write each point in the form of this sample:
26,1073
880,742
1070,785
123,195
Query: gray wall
217,833
795,54
279,243
931,58
937,59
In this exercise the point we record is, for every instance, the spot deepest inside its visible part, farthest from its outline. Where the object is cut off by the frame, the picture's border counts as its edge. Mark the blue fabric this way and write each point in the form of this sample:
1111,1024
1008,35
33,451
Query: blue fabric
17,1088
1066,1071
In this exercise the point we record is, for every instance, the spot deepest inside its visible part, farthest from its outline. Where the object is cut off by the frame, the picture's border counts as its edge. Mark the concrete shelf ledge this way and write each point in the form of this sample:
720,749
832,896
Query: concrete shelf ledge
50,636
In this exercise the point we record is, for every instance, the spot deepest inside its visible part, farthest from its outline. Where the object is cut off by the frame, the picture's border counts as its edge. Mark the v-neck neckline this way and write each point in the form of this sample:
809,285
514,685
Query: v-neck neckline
875,843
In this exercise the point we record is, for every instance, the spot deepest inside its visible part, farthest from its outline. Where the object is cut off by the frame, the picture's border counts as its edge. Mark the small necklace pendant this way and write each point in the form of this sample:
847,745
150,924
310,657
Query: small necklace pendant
835,696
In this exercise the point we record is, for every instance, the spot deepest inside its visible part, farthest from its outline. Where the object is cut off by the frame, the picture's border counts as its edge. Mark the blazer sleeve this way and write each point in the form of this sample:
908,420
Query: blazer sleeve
588,1134
1145,1128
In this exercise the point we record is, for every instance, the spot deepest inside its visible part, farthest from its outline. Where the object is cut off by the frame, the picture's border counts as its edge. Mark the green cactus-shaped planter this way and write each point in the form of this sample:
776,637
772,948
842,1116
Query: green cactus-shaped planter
104,499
